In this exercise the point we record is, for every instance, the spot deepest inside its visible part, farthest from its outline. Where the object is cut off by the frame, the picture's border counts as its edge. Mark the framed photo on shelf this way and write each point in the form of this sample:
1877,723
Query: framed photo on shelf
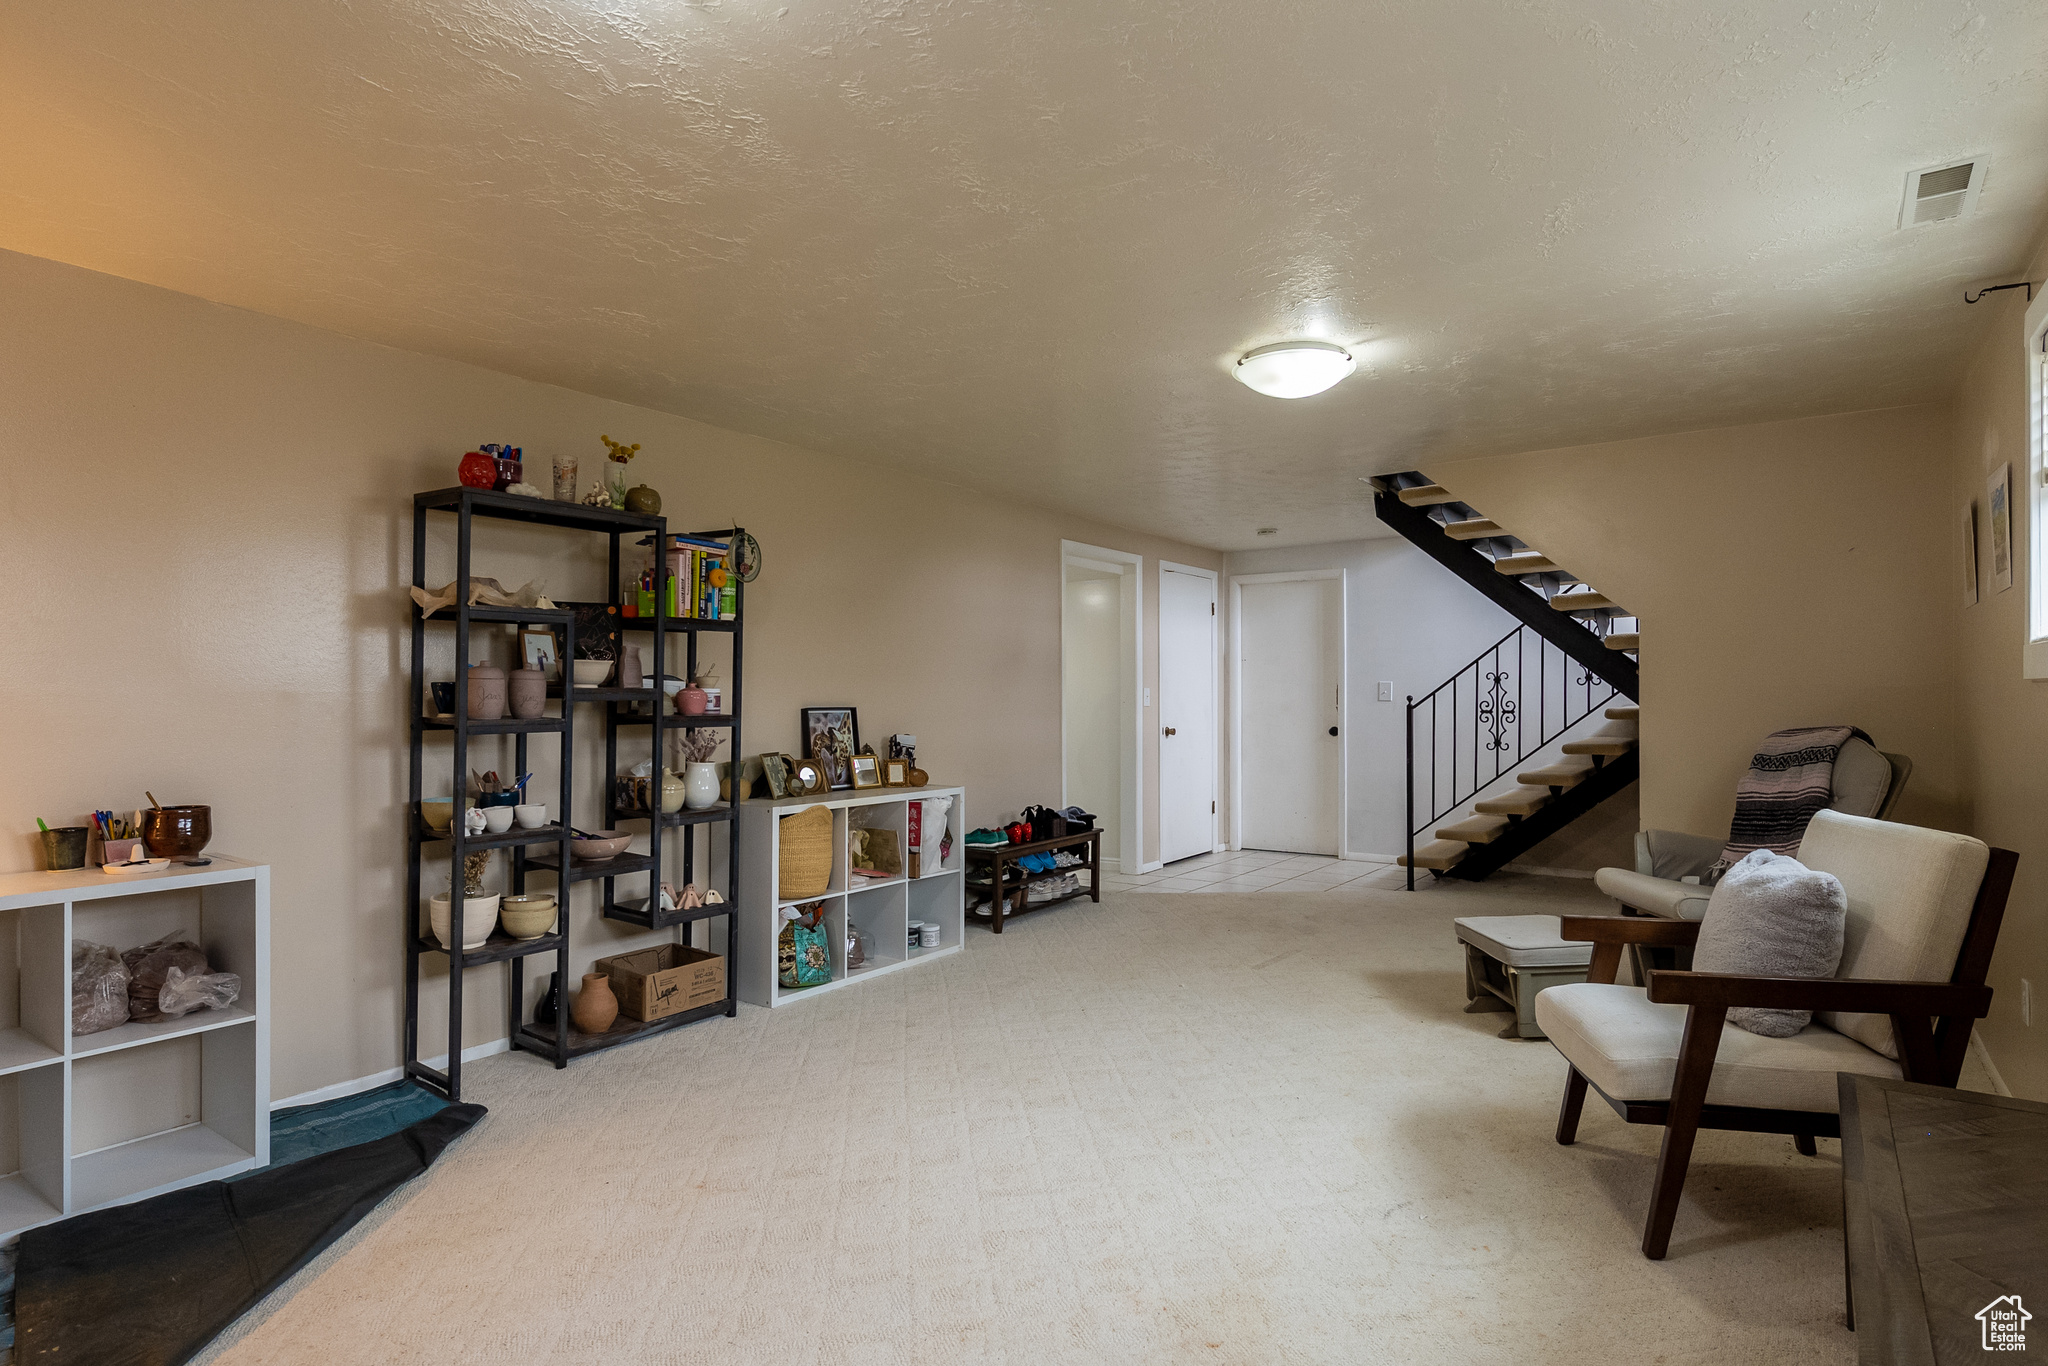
896,773
831,735
867,771
538,649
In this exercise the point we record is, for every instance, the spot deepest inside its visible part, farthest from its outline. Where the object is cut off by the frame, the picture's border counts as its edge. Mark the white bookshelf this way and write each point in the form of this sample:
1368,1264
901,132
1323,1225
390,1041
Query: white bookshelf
882,911
139,1109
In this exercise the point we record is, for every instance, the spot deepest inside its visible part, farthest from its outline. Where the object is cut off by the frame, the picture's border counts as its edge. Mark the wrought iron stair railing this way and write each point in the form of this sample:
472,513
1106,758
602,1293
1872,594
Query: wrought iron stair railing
1488,720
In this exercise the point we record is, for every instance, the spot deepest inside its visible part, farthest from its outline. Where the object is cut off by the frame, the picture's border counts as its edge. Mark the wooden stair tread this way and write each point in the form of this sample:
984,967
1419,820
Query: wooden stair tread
1630,713
1565,773
1615,737
1584,602
1436,854
1625,640
1428,495
1523,801
1530,562
1474,830
1472,529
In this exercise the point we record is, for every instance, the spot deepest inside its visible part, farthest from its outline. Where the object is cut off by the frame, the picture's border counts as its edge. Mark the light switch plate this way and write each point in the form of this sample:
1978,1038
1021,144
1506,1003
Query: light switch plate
1386,690
1148,697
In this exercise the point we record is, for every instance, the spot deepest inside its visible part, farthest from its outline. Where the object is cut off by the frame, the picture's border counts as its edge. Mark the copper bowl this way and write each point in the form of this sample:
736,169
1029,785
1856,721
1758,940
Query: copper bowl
177,831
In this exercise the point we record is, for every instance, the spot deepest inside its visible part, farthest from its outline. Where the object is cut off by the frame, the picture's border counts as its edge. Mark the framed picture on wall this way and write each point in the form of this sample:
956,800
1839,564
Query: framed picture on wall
1998,508
1970,553
831,735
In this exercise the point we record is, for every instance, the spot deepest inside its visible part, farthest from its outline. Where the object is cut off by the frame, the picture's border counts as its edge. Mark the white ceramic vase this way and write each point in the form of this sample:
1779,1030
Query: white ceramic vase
700,786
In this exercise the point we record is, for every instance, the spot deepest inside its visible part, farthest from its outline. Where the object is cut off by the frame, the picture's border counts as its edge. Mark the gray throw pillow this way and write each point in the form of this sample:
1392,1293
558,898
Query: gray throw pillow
1772,916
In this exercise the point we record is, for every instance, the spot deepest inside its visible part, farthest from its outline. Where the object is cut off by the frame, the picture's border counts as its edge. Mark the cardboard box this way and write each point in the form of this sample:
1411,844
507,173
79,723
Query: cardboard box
658,982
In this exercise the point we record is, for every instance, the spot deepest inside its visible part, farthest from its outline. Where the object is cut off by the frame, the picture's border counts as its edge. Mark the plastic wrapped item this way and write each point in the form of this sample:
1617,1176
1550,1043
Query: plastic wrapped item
99,988
184,991
150,965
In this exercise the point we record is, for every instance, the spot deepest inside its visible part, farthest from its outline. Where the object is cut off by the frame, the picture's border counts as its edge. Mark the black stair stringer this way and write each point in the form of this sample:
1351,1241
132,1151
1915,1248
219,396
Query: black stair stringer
1563,808
1582,645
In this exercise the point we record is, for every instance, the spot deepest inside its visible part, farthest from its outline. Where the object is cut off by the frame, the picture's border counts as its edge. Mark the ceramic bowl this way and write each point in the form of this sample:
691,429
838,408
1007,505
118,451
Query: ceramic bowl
479,918
592,672
498,819
530,817
527,917
177,831
602,844
438,814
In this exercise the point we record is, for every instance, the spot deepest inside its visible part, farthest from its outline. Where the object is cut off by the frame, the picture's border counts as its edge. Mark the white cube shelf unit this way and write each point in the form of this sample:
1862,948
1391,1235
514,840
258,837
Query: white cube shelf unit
881,911
139,1109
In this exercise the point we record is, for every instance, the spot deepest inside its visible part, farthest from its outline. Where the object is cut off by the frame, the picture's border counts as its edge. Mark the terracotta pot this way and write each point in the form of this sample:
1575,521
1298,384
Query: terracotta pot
177,831
486,693
529,693
478,471
595,1007
692,701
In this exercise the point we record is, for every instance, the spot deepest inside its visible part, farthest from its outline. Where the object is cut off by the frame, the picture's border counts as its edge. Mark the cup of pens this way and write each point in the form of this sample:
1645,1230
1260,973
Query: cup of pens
120,839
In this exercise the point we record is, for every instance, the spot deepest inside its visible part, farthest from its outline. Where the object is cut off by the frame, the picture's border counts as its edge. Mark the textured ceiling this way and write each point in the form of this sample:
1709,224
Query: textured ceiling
1014,244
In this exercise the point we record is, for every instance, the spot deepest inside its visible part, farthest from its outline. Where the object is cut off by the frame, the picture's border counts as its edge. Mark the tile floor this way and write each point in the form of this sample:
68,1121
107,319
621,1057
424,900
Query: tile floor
1257,870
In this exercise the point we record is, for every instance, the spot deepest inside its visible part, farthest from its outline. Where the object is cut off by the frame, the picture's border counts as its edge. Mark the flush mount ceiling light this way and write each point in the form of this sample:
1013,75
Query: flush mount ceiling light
1294,369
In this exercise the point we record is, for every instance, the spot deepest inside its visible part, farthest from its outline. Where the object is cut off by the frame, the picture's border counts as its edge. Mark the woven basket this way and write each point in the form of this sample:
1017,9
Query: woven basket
806,843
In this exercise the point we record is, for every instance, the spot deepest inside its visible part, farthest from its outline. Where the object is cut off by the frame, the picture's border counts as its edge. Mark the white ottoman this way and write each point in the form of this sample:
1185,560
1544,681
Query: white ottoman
1510,958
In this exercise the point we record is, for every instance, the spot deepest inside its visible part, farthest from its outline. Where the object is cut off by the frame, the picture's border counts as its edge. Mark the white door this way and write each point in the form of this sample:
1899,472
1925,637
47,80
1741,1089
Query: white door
1187,714
1290,667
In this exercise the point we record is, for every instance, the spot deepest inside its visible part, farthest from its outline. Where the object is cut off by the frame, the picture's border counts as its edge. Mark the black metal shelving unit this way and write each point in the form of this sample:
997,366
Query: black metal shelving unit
622,711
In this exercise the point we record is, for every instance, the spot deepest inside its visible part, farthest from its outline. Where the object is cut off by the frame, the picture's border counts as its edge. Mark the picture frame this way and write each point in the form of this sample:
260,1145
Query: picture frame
540,649
775,771
809,778
1970,553
895,773
1998,512
836,732
867,771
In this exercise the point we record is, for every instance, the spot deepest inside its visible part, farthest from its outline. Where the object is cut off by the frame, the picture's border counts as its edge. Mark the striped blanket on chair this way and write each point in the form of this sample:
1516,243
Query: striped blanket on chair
1791,776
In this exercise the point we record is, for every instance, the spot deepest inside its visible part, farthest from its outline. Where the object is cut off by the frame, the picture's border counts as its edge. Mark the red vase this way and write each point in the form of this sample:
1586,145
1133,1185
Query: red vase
478,470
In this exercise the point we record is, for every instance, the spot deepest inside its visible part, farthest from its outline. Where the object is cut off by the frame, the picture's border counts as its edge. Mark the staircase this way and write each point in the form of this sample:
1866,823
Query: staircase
1522,708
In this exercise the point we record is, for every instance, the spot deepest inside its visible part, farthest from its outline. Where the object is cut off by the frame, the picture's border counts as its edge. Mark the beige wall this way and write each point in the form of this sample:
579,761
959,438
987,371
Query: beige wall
2003,718
1786,574
207,538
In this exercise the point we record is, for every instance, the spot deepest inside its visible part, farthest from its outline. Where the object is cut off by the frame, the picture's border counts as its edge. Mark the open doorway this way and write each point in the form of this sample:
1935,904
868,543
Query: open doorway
1100,665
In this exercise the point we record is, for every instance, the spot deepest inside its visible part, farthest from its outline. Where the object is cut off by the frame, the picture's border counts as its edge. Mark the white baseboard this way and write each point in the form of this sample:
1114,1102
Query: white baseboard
1990,1067
386,1077
1111,863
1541,871
1351,856
1154,866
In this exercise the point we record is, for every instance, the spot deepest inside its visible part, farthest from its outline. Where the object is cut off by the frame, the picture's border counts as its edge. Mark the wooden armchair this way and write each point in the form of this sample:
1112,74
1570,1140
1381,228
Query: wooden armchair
1924,912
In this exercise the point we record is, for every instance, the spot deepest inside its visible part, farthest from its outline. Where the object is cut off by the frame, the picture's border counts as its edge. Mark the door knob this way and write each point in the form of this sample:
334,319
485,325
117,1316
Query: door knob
1333,730
1169,730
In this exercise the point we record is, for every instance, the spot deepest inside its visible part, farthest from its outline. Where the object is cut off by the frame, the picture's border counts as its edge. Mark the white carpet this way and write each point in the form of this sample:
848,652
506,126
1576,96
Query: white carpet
1172,1128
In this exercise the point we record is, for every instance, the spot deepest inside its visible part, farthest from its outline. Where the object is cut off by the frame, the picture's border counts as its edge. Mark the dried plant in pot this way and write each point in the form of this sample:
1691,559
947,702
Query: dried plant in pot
700,773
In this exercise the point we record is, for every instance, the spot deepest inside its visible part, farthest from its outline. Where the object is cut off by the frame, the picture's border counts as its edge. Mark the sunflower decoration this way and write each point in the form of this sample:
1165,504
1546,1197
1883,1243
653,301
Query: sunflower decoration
620,454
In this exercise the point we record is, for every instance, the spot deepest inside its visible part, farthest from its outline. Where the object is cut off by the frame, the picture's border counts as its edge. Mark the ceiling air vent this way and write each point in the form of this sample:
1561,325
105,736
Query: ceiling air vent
1941,192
